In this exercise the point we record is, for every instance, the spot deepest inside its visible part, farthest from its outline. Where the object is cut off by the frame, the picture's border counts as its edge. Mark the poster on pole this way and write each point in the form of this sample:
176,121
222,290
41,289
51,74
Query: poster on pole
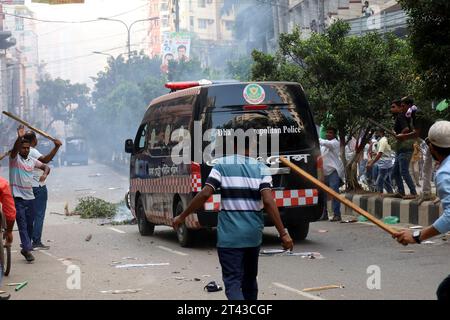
175,46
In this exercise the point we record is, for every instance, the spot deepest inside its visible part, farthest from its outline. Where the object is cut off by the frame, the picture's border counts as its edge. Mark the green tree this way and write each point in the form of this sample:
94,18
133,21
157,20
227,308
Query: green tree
240,69
61,97
347,79
429,33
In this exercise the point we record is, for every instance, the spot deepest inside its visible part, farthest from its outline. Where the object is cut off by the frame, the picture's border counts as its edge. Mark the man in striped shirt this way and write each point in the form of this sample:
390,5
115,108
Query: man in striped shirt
243,182
21,168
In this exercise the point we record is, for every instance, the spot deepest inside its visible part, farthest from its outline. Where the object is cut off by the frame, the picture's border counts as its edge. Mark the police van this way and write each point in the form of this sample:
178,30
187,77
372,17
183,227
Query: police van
192,118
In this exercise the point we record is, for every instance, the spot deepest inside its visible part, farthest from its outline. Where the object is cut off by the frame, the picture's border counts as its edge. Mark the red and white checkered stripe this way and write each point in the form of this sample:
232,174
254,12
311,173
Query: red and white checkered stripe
213,203
283,198
293,198
196,182
170,184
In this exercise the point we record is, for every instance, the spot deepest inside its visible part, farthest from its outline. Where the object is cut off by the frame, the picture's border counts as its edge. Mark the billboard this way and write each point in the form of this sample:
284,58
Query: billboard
175,46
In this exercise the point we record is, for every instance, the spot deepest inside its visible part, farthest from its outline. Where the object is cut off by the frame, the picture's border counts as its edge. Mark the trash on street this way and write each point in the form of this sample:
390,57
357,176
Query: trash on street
142,265
333,286
121,291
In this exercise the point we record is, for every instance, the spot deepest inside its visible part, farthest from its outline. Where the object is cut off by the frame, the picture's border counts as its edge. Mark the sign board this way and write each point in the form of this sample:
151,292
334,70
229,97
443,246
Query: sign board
57,1
175,46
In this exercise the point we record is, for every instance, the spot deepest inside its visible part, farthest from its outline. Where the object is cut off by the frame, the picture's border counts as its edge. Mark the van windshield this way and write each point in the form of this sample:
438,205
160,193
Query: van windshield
294,125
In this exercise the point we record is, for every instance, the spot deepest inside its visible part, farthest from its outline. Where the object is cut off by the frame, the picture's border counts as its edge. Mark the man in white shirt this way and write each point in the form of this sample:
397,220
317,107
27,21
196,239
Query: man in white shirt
39,189
333,169
384,161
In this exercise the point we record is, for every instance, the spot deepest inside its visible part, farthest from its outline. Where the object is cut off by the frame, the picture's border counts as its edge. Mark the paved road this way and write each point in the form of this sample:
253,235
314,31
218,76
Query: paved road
347,249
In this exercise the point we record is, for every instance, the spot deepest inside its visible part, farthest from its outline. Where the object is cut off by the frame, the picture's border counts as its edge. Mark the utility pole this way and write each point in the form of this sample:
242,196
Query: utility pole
177,15
321,16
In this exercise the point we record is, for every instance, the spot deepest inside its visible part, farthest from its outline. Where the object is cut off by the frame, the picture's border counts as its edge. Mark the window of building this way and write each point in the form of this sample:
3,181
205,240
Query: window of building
202,3
202,23
228,25
164,6
191,19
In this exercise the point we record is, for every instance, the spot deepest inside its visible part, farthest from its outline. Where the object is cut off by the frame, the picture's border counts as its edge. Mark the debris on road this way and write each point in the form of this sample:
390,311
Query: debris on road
428,242
391,220
180,278
333,286
407,251
197,279
57,213
94,175
129,258
416,227
212,287
121,291
141,265
349,221
89,237
362,219
91,207
18,285
281,252
114,188
85,189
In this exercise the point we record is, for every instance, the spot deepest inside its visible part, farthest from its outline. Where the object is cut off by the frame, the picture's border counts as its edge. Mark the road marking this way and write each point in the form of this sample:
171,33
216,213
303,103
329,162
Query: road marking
116,230
305,294
173,251
64,261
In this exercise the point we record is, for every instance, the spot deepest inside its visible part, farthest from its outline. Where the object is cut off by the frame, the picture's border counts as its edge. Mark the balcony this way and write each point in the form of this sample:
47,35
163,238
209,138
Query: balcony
395,21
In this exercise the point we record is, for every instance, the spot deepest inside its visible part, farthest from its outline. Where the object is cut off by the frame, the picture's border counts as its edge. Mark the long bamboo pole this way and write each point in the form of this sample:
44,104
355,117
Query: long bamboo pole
335,195
42,133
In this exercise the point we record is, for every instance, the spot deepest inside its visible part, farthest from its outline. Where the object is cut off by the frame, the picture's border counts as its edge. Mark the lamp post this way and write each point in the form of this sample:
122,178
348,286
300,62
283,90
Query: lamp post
128,28
113,59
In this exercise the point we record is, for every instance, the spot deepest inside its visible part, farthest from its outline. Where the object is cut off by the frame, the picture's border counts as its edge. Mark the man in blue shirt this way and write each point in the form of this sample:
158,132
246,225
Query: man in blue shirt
439,144
243,183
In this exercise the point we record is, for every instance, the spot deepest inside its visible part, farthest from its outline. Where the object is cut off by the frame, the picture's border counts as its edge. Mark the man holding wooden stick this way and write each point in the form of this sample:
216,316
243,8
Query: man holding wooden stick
39,188
439,144
21,167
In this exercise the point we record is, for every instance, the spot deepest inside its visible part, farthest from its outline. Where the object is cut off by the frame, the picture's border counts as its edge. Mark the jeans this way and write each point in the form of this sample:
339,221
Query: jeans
333,181
40,205
384,180
25,217
239,271
443,291
401,170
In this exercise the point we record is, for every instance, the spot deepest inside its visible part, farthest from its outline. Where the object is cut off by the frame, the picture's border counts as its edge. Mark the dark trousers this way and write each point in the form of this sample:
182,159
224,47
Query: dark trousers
239,271
25,219
40,205
443,291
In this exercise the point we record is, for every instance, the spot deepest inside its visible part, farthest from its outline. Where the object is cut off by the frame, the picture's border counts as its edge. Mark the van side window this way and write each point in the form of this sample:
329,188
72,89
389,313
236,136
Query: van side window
171,115
139,142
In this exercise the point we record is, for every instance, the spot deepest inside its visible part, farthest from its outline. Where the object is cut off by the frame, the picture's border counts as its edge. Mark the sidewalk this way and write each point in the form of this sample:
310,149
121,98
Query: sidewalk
408,211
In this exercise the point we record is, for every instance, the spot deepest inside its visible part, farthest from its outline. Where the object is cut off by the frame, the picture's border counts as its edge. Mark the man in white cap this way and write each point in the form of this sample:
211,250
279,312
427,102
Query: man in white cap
439,143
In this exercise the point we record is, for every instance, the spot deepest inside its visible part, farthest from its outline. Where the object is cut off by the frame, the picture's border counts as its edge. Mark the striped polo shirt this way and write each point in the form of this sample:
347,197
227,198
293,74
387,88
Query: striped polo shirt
240,180
21,176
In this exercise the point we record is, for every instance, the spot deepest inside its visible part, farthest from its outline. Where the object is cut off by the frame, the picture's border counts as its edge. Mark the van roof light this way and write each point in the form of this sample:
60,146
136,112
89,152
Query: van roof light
174,86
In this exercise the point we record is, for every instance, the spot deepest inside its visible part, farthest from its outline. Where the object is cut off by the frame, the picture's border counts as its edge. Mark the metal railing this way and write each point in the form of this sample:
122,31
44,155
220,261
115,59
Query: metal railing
380,22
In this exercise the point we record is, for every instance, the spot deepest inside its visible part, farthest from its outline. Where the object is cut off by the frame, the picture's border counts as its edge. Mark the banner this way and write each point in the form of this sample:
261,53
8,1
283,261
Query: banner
175,46
57,1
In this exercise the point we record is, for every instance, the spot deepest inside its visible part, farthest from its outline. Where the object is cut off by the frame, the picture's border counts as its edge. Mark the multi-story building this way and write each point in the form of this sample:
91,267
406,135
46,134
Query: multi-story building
210,29
24,58
316,15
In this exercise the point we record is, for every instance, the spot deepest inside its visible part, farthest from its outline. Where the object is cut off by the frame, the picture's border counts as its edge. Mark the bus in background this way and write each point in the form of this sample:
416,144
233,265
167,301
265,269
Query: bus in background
76,151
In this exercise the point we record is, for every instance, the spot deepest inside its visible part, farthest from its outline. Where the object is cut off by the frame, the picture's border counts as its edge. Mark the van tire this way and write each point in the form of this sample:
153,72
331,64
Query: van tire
145,228
185,235
299,231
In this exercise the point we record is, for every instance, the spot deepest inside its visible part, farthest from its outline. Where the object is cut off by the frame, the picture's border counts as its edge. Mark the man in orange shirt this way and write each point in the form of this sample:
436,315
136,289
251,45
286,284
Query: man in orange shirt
8,207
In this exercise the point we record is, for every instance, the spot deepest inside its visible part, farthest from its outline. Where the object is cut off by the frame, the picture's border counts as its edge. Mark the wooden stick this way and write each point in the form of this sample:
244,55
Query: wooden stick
333,286
42,133
336,195
391,132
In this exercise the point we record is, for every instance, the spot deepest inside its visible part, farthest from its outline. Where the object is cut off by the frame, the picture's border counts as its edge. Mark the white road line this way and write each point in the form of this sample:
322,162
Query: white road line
64,261
305,294
173,251
116,230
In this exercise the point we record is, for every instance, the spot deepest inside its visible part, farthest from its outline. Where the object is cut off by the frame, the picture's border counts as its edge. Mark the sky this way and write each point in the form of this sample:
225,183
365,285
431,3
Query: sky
67,48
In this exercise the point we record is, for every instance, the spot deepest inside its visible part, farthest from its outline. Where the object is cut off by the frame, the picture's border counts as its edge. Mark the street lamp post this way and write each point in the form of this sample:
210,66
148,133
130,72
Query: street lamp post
129,29
113,59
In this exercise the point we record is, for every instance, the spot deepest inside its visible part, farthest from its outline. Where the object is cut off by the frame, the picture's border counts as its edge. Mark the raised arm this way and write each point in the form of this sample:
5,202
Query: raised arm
49,157
17,145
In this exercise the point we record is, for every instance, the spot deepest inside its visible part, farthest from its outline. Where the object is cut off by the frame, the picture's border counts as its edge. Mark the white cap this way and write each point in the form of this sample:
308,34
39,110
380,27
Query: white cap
439,134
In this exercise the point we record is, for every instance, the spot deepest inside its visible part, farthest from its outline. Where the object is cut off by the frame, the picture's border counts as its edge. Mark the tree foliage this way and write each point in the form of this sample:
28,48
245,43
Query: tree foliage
429,29
347,79
62,97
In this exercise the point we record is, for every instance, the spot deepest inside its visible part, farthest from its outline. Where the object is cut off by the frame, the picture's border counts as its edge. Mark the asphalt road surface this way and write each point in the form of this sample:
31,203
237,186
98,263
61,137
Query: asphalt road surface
361,258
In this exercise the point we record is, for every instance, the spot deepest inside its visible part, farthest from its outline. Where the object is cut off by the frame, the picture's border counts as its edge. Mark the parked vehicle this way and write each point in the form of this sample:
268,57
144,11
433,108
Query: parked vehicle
76,151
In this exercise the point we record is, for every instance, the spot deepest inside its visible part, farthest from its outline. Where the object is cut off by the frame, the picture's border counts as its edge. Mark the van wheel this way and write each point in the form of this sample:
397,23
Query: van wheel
145,228
185,236
299,231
